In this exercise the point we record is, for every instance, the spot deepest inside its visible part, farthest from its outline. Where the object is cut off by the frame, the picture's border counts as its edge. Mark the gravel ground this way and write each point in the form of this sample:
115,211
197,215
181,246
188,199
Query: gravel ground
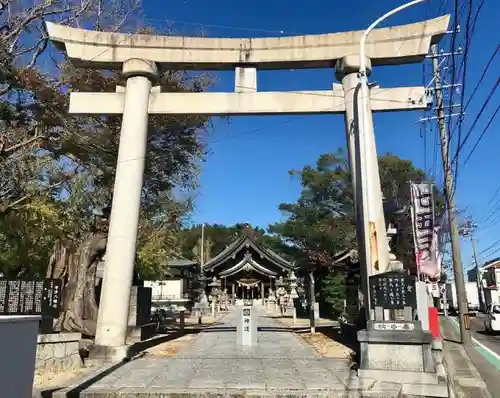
48,379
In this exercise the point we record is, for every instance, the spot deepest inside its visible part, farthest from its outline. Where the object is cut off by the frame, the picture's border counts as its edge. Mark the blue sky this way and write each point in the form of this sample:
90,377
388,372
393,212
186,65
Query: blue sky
245,176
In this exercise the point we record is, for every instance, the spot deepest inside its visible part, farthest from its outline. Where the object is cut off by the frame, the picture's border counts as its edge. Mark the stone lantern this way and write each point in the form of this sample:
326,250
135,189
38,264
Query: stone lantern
215,293
392,211
293,285
201,294
281,292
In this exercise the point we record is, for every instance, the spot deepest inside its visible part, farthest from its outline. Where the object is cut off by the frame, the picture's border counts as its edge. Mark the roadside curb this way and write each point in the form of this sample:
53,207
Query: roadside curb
464,380
489,351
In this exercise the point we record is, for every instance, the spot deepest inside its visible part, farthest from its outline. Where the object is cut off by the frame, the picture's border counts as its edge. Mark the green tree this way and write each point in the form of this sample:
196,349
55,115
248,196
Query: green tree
57,170
218,237
50,158
321,223
332,290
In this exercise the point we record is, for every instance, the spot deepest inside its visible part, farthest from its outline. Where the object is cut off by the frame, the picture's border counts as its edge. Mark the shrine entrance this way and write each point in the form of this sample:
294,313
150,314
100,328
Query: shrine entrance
247,270
249,289
141,58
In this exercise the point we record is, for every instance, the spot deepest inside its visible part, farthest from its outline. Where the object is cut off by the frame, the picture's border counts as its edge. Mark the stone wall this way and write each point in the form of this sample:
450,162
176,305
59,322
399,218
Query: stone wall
58,352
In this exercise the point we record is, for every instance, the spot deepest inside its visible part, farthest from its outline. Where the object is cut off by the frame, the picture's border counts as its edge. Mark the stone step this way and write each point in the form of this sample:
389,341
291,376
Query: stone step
237,393
398,376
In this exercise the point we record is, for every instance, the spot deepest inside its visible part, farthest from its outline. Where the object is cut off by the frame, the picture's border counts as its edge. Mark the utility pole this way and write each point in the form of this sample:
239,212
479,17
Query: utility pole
479,278
202,247
463,310
312,301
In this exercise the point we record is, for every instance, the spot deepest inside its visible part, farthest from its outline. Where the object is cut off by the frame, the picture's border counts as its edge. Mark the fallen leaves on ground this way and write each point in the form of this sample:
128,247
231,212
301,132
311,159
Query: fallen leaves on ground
50,379
323,344
326,346
171,347
287,320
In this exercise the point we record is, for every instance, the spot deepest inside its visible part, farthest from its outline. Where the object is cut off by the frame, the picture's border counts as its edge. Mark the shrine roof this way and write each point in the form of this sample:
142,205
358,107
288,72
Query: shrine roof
181,263
246,241
248,264
346,257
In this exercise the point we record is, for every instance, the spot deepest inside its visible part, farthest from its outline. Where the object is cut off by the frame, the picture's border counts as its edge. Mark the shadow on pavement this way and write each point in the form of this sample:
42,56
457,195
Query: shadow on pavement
490,334
452,340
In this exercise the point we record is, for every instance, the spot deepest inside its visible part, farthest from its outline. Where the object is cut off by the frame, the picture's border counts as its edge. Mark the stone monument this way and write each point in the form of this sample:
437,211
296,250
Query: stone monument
396,350
140,326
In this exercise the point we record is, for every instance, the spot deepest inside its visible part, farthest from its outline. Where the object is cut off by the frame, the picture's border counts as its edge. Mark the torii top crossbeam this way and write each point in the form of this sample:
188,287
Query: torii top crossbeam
386,46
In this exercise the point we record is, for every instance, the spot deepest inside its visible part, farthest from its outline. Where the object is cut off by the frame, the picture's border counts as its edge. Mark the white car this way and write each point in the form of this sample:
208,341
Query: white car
492,320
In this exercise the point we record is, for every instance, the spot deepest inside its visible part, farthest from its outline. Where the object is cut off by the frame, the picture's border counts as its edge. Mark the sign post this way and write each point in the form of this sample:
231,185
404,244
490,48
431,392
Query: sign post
393,329
32,297
247,327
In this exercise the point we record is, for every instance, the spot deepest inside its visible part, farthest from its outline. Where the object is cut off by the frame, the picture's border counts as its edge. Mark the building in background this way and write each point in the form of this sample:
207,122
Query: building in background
489,276
175,290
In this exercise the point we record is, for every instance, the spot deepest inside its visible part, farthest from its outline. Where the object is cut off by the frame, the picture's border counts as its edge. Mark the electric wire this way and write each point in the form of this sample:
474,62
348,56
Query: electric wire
478,116
482,134
485,71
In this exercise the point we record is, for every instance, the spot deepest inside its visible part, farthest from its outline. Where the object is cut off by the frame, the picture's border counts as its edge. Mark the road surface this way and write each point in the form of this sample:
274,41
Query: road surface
492,341
485,353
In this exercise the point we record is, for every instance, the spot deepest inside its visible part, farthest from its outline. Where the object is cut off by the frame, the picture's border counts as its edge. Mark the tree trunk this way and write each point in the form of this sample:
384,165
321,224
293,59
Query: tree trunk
78,271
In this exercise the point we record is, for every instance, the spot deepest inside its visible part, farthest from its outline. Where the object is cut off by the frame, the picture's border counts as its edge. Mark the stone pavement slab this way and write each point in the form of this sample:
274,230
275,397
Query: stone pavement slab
280,363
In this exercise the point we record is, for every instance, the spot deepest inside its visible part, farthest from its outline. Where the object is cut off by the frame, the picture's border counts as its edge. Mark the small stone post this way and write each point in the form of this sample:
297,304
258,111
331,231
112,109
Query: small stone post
182,320
247,327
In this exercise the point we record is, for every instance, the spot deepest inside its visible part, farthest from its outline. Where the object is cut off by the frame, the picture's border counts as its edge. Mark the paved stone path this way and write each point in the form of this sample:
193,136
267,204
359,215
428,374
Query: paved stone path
280,362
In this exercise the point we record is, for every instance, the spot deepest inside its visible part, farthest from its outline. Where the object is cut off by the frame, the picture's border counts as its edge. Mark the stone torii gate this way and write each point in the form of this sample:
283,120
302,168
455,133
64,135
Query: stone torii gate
141,56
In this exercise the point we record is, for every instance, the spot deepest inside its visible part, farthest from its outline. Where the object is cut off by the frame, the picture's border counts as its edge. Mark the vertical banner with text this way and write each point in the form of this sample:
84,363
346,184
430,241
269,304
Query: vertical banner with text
425,230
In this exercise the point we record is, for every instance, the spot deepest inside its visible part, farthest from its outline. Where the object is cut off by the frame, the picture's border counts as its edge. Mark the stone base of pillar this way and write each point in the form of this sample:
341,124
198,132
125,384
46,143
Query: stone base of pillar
403,357
100,355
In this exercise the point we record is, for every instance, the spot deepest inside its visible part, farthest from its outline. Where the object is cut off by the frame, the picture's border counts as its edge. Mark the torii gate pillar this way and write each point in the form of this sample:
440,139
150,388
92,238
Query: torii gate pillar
363,149
122,238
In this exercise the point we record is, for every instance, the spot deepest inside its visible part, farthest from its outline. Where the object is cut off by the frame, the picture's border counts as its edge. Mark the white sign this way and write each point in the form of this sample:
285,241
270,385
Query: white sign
246,333
398,326
433,289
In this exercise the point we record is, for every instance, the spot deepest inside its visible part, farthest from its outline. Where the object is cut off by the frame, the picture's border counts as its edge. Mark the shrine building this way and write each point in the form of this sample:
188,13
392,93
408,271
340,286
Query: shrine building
246,269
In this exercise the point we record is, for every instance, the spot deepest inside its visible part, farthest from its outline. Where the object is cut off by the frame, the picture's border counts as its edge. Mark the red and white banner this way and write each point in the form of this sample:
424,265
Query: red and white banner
425,230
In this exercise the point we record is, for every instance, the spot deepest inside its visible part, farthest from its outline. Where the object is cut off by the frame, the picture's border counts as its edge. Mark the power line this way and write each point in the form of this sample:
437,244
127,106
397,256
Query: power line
472,30
490,95
492,214
485,71
485,213
482,134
